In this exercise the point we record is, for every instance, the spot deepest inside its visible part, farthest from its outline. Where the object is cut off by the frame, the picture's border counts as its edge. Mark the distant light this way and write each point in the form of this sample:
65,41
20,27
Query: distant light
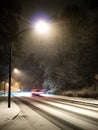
7,84
16,70
16,84
42,26
3,82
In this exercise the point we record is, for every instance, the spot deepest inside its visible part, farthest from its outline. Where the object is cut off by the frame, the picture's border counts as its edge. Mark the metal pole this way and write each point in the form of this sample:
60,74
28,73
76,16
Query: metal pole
9,90
10,64
4,88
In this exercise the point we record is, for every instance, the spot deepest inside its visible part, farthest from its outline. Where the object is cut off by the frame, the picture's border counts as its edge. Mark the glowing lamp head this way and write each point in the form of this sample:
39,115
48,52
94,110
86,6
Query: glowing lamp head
16,70
42,27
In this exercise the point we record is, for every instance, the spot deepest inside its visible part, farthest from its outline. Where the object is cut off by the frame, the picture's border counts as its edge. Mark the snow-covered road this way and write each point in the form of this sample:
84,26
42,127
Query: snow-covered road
73,115
45,113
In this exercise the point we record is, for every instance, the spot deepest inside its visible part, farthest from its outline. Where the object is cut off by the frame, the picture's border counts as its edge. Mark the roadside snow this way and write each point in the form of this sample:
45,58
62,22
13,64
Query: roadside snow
7,114
28,119
86,100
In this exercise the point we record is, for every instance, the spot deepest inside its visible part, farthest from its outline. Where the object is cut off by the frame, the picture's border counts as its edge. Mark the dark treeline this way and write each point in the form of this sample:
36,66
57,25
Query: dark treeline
8,28
65,59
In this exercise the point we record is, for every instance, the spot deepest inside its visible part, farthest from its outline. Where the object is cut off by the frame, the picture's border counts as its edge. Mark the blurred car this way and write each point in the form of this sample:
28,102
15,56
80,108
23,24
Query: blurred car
37,92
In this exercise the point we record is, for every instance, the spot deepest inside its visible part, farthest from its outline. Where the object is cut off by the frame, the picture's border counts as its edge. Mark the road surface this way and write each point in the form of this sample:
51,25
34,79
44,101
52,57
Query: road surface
48,113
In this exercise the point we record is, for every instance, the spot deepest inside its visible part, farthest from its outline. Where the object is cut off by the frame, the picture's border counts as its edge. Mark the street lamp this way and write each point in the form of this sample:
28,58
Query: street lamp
40,26
16,70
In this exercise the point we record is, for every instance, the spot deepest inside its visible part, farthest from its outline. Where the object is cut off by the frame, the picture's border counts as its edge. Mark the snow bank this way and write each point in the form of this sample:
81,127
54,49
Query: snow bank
7,114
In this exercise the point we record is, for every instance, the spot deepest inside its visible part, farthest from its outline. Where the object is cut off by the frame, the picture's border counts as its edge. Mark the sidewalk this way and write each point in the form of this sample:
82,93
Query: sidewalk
7,114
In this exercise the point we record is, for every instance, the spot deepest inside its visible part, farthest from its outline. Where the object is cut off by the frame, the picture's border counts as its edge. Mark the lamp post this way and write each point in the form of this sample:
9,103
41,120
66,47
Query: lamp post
41,27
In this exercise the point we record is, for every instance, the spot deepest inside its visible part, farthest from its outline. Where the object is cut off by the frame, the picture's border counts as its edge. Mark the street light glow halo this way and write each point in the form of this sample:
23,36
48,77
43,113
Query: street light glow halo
42,27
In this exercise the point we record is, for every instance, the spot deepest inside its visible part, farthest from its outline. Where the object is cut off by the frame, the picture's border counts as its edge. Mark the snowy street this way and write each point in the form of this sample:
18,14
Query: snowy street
48,112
